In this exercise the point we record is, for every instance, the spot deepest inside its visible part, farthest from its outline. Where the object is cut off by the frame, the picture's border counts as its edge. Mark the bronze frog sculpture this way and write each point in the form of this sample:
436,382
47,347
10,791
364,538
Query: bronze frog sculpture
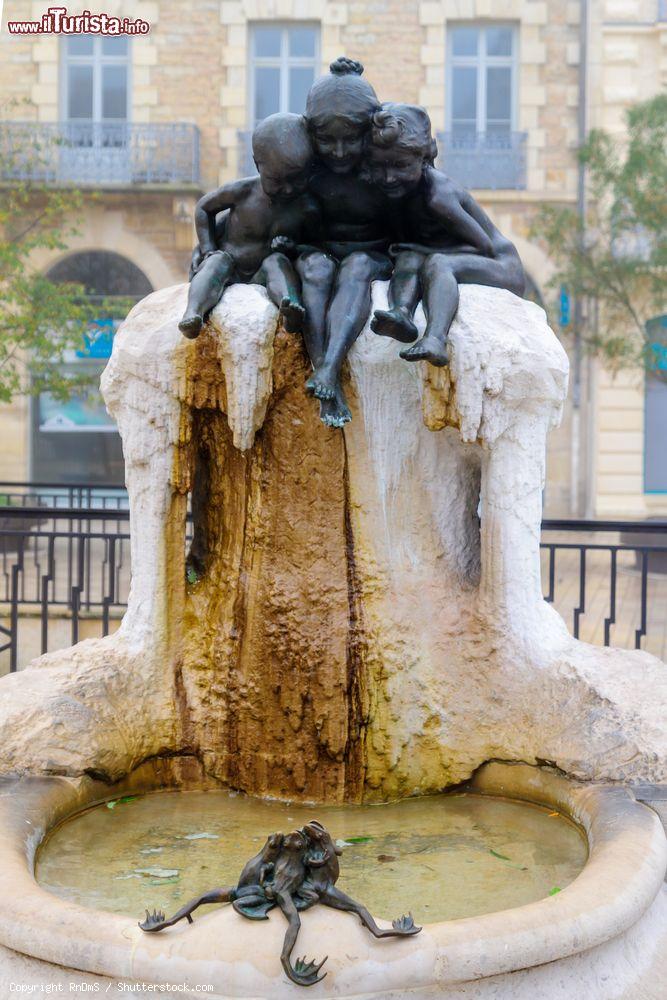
293,872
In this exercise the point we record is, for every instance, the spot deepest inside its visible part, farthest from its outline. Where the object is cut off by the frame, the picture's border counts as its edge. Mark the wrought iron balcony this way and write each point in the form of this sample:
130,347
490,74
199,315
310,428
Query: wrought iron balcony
484,160
95,153
477,159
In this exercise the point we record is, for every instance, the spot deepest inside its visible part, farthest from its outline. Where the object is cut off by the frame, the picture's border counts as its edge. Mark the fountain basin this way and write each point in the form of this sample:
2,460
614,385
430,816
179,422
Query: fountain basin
439,857
627,855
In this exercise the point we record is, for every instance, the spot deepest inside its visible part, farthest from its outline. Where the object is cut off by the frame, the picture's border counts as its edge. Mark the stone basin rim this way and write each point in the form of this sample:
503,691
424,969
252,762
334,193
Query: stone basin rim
622,876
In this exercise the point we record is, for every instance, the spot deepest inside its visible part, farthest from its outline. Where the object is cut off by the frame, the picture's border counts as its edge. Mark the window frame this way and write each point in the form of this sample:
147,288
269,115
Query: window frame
481,61
98,60
283,62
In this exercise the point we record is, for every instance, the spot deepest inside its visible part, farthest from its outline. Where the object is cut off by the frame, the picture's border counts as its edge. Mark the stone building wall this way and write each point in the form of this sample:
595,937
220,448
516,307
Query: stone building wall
193,67
628,61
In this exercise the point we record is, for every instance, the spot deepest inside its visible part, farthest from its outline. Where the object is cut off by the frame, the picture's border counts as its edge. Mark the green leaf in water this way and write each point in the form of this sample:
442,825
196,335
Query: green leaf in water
556,888
125,798
163,881
503,857
357,840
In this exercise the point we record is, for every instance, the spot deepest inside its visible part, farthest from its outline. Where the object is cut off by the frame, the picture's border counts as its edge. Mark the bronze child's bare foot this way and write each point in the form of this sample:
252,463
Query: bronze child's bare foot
395,323
429,349
292,315
335,412
322,384
190,326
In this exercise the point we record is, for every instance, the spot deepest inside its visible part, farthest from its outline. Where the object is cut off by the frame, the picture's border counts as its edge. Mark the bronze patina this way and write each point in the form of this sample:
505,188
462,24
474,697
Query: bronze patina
348,194
293,871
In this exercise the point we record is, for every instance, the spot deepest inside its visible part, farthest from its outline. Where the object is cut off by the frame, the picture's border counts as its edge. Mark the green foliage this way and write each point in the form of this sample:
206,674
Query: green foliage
615,260
40,322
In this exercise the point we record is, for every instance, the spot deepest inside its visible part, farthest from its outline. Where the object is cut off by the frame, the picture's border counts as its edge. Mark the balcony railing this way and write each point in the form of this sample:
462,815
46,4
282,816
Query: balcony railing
476,160
94,153
484,160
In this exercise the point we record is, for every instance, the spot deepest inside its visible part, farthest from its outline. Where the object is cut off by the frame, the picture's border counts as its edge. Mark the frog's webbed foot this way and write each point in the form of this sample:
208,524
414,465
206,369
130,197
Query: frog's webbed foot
405,925
154,921
305,973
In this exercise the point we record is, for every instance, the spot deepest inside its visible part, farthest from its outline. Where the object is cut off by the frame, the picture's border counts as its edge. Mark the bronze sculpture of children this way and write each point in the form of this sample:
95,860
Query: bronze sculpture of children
275,204
447,237
342,192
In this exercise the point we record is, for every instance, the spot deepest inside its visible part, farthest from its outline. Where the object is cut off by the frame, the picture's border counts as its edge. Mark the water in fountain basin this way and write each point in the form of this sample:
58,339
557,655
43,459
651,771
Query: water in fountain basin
441,857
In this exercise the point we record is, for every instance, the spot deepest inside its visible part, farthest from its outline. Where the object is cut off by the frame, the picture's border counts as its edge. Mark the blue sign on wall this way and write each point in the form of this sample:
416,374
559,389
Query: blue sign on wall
98,339
564,307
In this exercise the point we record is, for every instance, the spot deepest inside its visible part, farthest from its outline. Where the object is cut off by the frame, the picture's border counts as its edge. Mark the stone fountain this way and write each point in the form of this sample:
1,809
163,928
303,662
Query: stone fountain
358,617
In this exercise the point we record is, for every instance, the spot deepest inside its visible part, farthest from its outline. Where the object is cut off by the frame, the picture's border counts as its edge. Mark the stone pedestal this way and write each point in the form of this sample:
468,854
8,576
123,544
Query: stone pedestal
360,614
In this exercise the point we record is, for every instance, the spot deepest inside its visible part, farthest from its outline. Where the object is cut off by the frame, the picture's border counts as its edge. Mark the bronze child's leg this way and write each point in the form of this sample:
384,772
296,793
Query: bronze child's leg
205,291
347,314
280,279
441,301
317,271
404,293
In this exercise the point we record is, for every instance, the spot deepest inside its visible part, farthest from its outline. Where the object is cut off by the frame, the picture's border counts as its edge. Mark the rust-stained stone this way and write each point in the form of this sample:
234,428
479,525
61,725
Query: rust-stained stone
271,652
368,620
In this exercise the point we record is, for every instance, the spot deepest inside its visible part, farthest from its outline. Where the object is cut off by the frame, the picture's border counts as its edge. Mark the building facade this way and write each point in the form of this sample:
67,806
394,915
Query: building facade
149,121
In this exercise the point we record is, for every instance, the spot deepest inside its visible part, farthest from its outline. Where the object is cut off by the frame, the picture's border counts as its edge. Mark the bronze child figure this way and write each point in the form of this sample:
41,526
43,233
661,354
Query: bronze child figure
447,238
259,209
352,252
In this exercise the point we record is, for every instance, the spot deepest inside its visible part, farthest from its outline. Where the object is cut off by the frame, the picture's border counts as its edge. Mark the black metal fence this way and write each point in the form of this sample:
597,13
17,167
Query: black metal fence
60,565
65,572
91,496
618,570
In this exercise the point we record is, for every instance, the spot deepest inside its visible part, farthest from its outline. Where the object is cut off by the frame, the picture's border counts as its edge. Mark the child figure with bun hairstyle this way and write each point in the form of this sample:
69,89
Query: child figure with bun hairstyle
447,238
352,251
259,215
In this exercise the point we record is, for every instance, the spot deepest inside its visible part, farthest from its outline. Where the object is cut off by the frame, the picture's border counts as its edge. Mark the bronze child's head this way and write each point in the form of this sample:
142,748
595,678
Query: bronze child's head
283,155
401,146
339,109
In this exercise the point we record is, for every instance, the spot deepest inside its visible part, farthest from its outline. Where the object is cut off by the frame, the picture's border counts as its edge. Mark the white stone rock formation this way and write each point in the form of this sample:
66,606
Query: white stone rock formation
462,659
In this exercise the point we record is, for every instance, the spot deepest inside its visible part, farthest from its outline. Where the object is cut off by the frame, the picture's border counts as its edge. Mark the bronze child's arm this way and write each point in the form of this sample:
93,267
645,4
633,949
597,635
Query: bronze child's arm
455,208
207,209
